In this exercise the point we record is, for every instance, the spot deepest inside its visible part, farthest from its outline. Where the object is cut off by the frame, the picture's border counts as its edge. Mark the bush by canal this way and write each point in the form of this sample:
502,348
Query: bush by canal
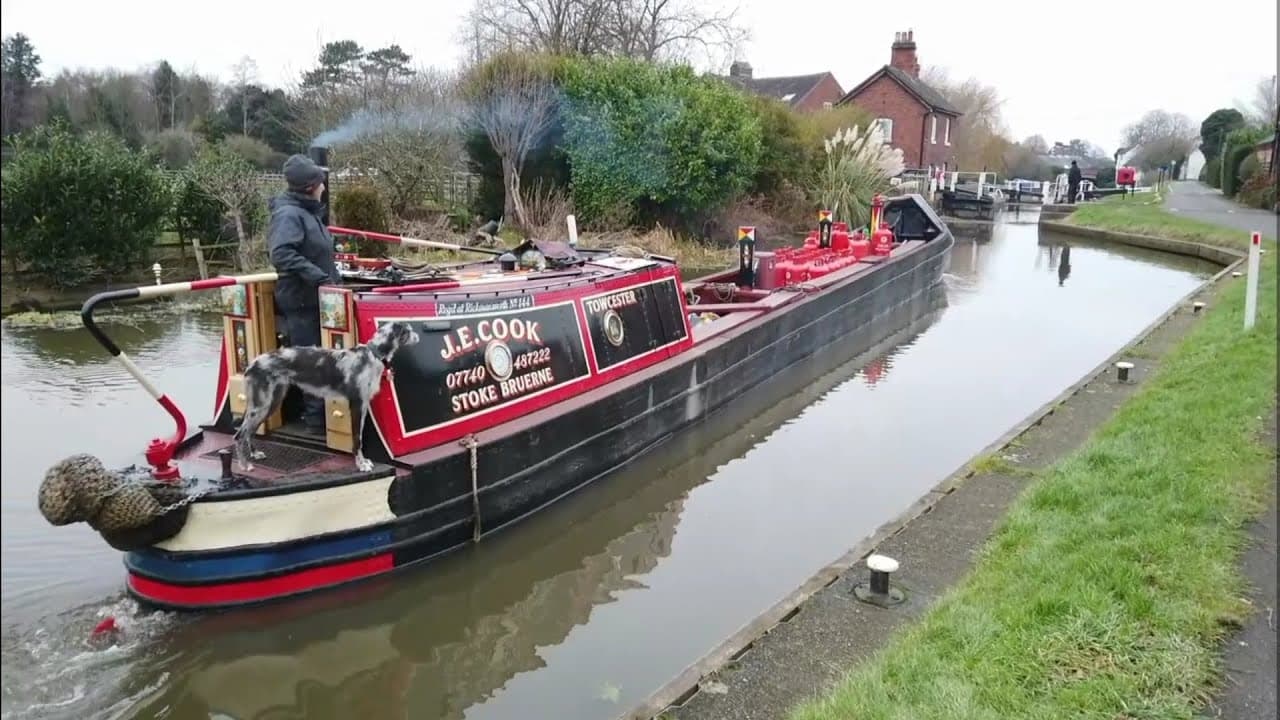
1106,590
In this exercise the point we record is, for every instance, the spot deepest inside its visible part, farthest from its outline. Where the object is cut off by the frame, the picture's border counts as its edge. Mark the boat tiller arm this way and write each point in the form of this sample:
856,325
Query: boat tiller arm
411,242
159,452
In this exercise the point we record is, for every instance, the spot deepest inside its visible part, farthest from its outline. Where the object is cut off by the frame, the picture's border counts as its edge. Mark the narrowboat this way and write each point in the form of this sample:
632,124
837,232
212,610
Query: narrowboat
539,370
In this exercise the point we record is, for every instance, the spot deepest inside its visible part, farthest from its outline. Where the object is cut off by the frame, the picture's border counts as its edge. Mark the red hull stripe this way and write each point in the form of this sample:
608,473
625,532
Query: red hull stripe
256,590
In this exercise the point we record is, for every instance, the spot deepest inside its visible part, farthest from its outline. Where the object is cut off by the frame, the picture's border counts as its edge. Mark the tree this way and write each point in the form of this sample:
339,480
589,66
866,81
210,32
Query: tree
1164,137
245,72
339,65
651,30
1261,109
19,73
231,181
164,94
513,99
985,140
1214,129
386,66
1036,144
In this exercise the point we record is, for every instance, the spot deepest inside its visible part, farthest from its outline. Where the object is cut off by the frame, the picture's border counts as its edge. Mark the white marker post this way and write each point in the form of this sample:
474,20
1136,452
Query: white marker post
573,230
1251,290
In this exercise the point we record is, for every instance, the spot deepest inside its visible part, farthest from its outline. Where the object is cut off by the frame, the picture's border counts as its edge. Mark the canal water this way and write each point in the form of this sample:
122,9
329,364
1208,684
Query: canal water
585,610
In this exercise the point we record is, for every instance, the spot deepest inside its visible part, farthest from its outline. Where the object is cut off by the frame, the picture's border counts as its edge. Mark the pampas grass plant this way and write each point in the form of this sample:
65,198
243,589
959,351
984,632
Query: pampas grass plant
858,165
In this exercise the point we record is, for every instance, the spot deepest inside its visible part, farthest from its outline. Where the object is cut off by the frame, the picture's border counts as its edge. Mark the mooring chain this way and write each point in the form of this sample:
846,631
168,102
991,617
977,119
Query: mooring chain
470,443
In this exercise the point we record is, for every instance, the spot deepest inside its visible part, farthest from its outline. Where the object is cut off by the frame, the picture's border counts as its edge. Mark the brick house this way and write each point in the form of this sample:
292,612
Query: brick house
804,93
915,117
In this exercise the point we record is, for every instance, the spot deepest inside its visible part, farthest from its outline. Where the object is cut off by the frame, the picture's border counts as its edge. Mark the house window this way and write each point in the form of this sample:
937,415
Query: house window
946,134
827,105
886,128
933,131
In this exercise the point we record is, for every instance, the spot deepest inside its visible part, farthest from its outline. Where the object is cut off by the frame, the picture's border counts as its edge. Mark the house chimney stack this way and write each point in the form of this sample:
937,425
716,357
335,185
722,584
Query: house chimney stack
740,69
903,54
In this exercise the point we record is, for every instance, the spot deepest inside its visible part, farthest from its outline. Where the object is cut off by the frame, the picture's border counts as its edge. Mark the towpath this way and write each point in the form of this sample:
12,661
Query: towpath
1198,201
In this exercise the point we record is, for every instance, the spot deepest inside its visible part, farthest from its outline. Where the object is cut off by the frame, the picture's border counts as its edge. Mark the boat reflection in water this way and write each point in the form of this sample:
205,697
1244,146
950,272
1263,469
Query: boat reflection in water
438,640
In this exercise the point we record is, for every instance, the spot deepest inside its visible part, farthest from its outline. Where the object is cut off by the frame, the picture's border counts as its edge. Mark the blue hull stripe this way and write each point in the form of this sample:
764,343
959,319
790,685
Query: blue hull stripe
245,566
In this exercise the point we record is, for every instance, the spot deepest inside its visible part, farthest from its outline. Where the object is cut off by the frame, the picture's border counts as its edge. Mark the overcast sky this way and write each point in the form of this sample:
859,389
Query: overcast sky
1084,74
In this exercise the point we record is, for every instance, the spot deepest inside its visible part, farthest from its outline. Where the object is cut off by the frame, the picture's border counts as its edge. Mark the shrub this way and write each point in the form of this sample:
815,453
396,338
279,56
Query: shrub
360,207
195,213
255,152
787,148
1256,188
174,148
669,144
1239,144
1211,173
79,208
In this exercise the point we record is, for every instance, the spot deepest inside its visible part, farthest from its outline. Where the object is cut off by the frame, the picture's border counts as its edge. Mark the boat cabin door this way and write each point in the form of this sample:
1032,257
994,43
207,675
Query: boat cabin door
248,330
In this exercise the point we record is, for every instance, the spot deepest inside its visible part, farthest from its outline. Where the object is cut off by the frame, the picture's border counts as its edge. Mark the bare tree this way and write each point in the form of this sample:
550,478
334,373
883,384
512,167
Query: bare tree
245,73
1261,110
653,30
982,138
1164,137
514,101
233,183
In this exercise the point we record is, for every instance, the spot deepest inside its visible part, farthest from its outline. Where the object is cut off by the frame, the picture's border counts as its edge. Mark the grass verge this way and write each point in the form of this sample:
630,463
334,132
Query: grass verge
1144,214
1107,589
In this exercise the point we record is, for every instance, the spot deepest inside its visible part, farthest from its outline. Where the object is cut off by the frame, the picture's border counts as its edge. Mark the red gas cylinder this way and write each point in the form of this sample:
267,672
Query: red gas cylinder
839,240
840,227
811,241
882,240
787,272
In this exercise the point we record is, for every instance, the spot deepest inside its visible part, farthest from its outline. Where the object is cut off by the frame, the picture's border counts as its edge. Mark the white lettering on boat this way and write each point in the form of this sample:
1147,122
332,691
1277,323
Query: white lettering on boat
522,384
475,399
616,300
486,330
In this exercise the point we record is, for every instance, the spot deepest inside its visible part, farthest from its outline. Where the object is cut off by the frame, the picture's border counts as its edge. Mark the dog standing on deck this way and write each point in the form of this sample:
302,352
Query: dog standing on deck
352,374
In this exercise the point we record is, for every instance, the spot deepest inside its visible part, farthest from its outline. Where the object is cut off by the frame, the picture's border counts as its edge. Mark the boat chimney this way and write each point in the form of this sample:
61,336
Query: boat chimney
320,156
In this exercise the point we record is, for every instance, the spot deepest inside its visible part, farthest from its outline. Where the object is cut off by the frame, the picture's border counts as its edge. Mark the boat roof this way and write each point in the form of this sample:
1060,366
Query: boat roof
488,278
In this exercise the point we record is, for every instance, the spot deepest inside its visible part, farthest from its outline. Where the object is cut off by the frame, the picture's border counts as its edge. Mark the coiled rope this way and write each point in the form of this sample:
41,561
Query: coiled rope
80,488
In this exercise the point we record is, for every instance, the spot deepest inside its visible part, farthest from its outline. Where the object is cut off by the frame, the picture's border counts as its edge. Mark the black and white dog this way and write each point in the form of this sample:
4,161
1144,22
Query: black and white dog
352,374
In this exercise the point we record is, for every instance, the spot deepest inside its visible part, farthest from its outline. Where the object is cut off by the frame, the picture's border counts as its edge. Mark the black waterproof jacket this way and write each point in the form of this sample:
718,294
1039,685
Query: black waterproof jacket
301,250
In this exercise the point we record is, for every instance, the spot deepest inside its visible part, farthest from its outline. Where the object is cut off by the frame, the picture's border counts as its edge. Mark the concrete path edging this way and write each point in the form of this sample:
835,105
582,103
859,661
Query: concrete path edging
688,682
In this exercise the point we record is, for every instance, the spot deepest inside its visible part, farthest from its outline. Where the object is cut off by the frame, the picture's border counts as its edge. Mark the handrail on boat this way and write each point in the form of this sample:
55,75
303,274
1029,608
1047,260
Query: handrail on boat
159,452
411,242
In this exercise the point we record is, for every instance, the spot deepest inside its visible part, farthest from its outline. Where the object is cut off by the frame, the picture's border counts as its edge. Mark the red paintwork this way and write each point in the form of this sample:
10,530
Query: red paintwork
224,379
386,415
253,590
212,283
160,452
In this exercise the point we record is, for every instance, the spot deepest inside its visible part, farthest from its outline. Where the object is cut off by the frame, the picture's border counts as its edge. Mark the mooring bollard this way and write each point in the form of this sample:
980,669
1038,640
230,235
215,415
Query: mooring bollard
156,269
877,590
1122,370
1236,273
1197,306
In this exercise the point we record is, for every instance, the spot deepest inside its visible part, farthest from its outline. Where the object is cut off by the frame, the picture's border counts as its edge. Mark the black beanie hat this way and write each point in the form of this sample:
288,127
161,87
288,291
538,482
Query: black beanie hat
300,173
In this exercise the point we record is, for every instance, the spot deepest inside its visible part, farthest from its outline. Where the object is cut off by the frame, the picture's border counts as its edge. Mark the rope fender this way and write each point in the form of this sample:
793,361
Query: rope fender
129,513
